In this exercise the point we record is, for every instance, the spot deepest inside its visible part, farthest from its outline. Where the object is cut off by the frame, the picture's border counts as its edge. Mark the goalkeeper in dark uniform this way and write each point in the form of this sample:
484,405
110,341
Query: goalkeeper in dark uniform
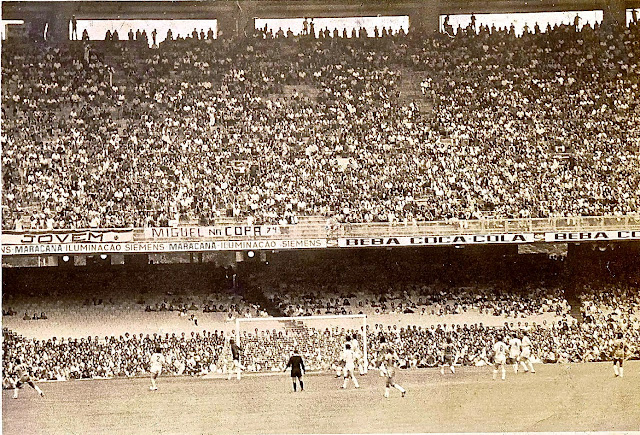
297,369
236,352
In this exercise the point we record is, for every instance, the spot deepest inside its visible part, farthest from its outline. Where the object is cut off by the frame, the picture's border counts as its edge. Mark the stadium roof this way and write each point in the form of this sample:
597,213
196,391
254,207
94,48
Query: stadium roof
195,9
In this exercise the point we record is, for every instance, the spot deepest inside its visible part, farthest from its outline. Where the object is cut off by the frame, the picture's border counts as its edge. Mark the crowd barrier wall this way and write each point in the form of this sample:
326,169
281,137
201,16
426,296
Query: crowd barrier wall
316,233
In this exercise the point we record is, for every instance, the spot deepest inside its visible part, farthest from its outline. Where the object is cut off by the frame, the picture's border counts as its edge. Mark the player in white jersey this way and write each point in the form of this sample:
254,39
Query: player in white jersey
349,358
156,364
340,365
355,347
388,361
499,357
525,353
22,376
514,352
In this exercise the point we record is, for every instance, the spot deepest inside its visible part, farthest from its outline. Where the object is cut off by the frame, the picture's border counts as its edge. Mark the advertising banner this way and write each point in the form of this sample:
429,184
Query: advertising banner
148,247
210,232
462,239
66,236
585,236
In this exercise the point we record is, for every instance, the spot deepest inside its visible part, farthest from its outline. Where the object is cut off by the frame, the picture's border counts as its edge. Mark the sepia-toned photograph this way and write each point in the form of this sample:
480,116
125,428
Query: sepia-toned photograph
320,216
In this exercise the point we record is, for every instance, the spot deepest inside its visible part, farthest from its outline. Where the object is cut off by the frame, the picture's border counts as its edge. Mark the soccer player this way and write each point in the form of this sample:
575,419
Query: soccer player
448,359
157,362
297,369
23,376
514,352
340,367
388,365
355,346
620,349
484,357
525,354
235,355
500,358
349,358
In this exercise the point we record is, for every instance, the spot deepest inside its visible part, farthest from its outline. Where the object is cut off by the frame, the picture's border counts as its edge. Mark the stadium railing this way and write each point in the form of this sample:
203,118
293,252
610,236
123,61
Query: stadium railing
314,228
487,226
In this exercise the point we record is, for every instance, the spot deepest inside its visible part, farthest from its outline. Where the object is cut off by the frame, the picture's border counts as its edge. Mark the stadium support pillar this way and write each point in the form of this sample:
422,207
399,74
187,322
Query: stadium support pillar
51,25
573,265
59,28
614,13
237,22
35,28
425,19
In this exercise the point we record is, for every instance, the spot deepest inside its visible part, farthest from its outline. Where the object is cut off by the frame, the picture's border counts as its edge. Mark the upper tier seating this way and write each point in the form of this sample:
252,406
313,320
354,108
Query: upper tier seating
537,125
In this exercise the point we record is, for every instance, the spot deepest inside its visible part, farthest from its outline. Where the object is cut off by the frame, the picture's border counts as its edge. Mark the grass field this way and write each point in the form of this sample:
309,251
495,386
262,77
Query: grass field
574,397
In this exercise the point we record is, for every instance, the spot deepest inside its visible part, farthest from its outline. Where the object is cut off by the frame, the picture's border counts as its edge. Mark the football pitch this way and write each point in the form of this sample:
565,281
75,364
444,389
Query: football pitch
574,397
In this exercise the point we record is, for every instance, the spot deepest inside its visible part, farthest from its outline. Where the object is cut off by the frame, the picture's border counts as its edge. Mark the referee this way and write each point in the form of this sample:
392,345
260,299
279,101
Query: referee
297,369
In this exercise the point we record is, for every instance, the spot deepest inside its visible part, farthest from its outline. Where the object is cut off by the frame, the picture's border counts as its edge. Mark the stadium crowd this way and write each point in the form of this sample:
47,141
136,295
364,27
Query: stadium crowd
403,298
233,306
601,306
268,350
127,355
117,134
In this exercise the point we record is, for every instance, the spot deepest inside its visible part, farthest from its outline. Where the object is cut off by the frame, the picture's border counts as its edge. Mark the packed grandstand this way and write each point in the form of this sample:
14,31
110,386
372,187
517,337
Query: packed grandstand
93,329
201,353
401,128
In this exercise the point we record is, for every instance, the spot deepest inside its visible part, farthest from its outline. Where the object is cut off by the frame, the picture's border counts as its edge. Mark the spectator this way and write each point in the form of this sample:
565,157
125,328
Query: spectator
74,28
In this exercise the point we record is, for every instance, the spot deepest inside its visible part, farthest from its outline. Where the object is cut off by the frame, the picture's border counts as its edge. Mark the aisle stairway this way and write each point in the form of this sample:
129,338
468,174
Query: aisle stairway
572,291
410,91
256,296
575,304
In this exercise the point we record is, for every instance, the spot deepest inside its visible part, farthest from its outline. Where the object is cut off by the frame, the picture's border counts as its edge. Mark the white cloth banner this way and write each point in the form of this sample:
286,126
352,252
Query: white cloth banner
461,239
66,236
584,236
146,247
209,232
